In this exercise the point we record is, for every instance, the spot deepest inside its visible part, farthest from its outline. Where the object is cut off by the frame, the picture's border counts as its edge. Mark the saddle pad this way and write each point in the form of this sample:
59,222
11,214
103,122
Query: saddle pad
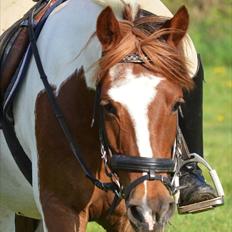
6,115
14,43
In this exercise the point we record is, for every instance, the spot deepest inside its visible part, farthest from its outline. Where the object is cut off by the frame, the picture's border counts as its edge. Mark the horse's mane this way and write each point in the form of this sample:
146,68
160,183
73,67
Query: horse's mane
158,56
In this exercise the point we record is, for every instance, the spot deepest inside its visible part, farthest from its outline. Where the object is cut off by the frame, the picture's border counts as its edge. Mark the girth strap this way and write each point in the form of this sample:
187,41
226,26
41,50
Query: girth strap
21,159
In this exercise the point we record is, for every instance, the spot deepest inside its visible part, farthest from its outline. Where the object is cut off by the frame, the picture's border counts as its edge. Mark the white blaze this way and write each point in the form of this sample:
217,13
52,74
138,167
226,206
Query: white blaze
136,93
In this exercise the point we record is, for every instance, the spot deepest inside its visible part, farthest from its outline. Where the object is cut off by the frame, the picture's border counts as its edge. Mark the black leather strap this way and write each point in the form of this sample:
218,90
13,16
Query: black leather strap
191,123
141,164
21,159
126,191
60,116
133,184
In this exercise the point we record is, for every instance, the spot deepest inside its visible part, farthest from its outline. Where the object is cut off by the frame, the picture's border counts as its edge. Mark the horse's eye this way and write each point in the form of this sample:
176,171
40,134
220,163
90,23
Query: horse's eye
109,108
177,105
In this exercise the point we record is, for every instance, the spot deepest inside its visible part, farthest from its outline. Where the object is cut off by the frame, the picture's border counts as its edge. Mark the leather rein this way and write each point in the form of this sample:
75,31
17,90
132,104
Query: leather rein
113,162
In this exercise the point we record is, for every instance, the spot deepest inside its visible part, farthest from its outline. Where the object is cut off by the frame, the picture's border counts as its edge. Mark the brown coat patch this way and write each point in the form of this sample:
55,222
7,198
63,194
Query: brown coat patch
62,182
68,198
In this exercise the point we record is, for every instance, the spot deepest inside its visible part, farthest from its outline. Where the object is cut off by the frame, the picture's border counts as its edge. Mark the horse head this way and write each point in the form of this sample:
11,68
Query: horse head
142,76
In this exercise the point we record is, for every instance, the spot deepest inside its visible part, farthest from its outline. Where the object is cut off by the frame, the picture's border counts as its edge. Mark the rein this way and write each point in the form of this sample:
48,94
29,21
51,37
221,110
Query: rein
60,116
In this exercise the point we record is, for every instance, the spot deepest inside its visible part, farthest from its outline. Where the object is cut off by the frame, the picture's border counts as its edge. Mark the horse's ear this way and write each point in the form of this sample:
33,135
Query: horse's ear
108,30
178,26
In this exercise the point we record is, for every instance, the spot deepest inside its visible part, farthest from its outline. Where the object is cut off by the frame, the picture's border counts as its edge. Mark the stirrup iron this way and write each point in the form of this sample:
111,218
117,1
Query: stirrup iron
208,204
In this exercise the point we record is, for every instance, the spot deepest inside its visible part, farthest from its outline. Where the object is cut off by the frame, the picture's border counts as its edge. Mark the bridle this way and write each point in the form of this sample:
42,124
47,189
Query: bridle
150,168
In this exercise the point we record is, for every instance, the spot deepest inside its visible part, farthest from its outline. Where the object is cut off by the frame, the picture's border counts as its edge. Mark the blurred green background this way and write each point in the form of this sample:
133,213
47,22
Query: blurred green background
211,31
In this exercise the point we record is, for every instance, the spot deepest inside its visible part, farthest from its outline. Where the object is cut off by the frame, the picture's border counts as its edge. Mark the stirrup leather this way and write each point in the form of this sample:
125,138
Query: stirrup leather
208,204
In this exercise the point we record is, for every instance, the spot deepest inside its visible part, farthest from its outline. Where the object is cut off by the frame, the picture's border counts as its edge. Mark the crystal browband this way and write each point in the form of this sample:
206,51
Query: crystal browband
133,58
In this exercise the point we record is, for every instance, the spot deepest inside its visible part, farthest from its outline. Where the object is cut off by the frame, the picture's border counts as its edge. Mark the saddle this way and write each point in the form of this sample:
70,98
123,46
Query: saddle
14,43
15,56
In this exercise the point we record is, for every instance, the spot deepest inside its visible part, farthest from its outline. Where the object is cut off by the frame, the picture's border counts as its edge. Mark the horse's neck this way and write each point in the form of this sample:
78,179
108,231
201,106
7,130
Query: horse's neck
117,221
67,41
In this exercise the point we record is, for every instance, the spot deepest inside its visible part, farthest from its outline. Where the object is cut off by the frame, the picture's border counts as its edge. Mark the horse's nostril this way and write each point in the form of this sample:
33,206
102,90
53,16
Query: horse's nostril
172,205
165,211
137,213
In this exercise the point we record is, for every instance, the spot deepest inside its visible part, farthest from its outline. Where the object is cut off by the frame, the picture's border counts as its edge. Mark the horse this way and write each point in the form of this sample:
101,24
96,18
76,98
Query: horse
119,80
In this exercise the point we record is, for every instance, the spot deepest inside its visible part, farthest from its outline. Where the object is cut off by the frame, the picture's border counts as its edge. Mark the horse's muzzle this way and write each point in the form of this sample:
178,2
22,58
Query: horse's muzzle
150,214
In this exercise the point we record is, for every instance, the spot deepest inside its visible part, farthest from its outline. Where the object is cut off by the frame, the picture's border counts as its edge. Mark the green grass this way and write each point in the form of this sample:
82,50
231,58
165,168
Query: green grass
210,28
218,151
94,227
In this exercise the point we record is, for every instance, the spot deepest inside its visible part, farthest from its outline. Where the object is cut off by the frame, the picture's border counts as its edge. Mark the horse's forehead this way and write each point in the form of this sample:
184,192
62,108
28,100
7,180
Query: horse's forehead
135,92
130,88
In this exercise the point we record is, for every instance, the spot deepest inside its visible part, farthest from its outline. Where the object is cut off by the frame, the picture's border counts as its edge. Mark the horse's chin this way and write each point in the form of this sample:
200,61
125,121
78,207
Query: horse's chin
144,228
